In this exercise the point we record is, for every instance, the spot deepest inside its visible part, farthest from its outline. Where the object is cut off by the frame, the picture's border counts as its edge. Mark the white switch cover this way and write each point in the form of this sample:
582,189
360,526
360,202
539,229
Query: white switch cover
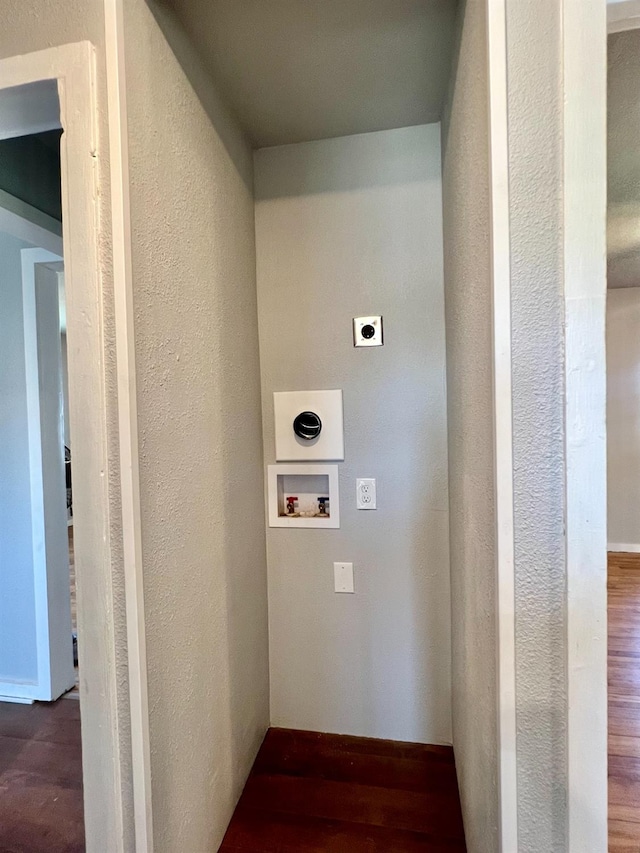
343,577
366,494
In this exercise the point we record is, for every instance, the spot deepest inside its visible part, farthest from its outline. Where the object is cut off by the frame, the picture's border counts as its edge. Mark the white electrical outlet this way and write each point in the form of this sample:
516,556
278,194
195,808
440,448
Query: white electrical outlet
343,577
366,494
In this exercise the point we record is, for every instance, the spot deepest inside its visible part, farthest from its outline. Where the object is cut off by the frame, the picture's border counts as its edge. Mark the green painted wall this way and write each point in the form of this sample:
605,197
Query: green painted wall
30,170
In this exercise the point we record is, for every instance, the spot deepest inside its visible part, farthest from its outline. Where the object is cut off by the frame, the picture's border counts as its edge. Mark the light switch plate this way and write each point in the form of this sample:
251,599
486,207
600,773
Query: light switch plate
343,577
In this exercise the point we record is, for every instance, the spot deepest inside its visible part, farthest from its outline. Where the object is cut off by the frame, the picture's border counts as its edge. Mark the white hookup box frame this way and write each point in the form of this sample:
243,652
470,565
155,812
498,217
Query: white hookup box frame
308,483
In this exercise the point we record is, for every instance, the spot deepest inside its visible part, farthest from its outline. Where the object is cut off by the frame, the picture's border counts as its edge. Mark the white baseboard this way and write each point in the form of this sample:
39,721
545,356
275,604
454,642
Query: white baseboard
630,549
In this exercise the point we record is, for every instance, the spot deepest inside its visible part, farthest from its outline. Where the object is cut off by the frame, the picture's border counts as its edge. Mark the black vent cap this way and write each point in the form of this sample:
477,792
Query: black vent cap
307,425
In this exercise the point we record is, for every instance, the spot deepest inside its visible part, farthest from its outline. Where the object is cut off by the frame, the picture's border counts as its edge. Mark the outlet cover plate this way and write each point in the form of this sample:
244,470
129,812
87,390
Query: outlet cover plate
366,493
343,577
367,332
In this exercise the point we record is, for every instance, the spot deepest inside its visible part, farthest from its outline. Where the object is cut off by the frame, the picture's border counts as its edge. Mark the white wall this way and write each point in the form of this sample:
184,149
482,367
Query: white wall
550,643
536,177
209,752
65,388
18,657
347,227
623,418
468,295
198,377
623,162
62,309
35,650
623,271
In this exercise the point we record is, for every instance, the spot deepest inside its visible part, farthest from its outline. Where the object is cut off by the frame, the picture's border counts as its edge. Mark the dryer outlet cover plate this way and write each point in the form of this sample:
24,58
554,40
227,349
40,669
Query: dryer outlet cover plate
329,445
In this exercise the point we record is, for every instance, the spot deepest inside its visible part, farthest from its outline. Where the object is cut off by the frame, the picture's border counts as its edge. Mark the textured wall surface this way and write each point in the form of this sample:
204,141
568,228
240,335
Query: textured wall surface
18,656
623,167
350,227
534,69
32,25
623,416
467,270
198,379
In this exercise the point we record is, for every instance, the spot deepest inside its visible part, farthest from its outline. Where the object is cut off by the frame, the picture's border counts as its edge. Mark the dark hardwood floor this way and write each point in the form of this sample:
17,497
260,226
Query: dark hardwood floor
41,778
334,794
624,703
314,792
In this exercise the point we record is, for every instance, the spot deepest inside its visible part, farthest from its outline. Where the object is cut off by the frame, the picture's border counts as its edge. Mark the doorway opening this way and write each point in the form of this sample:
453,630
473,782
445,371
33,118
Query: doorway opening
53,90
294,217
39,728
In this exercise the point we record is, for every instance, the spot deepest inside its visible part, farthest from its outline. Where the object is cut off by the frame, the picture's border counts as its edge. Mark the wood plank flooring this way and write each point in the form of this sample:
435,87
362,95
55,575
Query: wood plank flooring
311,792
41,778
335,794
624,703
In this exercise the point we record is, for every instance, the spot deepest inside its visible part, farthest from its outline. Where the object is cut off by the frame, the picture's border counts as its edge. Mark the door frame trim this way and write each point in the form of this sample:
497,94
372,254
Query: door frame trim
98,529
503,427
584,63
128,422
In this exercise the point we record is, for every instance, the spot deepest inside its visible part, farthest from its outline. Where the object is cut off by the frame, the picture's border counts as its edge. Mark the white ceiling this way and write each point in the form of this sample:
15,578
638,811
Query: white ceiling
296,70
33,108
